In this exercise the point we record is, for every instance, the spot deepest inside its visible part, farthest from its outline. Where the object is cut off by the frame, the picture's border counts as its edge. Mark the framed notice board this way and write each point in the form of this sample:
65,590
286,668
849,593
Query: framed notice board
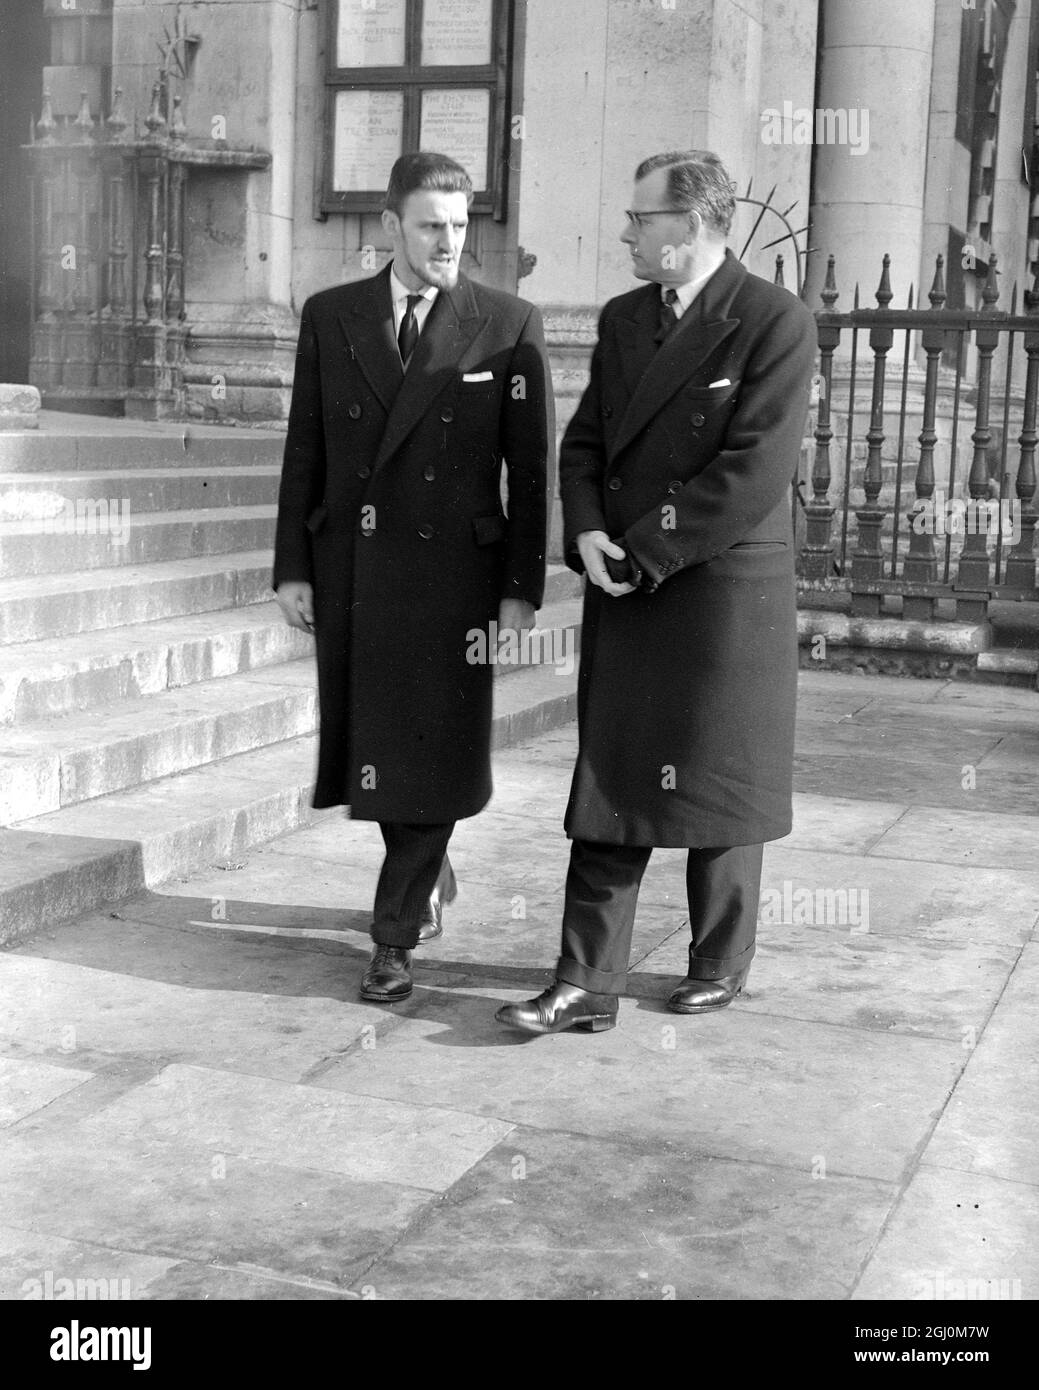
407,75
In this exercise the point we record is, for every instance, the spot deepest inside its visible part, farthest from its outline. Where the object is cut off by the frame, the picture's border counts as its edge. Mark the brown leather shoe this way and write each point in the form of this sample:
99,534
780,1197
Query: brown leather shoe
559,1007
704,996
388,978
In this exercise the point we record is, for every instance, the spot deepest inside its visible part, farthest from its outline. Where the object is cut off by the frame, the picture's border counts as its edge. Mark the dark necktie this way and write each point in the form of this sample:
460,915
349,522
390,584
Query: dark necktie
668,317
407,338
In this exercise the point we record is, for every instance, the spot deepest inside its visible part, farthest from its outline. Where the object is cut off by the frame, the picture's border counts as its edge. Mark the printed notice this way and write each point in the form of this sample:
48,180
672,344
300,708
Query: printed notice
369,131
458,123
456,33
370,33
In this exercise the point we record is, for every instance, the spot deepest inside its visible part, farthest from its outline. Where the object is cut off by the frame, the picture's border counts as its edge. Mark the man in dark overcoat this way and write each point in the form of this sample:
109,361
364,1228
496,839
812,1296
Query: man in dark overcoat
676,480
411,390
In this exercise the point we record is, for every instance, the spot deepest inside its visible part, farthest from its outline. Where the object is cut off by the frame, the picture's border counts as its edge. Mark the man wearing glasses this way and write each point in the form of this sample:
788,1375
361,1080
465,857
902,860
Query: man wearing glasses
675,475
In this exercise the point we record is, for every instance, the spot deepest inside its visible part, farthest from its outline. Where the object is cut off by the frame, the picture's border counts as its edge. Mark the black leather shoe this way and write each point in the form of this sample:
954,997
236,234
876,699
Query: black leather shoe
561,1006
704,996
431,925
388,978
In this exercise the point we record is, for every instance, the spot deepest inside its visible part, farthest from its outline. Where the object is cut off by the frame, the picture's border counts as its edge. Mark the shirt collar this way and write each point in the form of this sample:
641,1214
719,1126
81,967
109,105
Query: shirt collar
688,292
400,291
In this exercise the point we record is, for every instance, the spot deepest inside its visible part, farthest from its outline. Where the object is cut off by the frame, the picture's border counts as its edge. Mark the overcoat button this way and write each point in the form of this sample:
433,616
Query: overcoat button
447,414
698,419
615,484
426,532
429,473
364,472
607,410
355,412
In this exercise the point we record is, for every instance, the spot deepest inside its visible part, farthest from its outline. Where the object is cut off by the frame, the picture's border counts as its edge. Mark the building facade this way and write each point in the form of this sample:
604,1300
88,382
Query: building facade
178,177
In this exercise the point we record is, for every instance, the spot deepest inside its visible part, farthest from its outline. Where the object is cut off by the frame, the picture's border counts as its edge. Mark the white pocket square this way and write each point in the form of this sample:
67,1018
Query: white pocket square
724,382
478,376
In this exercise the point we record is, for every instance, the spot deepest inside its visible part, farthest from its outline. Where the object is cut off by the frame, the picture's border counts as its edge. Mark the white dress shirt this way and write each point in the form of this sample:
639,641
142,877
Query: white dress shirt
686,293
400,293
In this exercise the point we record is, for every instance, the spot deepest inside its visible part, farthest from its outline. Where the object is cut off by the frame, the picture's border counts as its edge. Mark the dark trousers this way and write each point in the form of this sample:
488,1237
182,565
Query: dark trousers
602,889
416,863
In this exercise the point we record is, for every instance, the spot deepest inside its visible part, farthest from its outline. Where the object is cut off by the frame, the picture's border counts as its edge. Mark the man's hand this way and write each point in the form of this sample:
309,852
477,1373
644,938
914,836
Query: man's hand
296,601
593,545
518,616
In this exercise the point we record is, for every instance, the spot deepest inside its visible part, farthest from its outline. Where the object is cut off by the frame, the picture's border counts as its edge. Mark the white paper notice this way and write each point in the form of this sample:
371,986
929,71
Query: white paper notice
456,33
370,33
457,123
369,132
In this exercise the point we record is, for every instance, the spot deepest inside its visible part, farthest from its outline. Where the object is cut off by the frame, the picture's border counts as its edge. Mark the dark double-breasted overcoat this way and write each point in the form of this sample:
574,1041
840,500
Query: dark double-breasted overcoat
684,454
391,506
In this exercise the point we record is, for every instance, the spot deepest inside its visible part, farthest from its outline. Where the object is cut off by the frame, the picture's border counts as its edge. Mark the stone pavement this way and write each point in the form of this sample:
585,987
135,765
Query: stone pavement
194,1102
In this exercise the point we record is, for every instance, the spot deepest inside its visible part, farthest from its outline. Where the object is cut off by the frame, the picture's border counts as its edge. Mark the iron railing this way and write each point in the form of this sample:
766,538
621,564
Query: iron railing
968,539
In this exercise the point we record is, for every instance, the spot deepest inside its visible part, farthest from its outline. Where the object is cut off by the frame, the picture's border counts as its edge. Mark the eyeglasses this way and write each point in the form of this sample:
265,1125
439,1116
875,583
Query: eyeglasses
637,219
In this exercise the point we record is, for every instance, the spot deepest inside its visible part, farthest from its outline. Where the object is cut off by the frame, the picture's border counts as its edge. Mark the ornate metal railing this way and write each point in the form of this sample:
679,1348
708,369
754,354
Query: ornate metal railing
966,539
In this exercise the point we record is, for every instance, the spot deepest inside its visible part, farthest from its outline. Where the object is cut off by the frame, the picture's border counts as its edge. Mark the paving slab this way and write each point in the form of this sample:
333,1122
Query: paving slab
246,1006
991,1124
963,837
419,1145
837,822
957,1237
548,1216
828,974
827,1089
38,1265
26,1085
188,1201
928,902
969,785
818,1140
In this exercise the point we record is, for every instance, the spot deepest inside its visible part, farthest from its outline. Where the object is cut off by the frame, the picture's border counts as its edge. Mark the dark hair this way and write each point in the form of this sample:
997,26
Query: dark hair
413,173
698,182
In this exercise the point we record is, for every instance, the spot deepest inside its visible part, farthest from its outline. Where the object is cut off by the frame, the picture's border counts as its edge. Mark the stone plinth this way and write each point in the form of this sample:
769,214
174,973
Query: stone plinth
19,407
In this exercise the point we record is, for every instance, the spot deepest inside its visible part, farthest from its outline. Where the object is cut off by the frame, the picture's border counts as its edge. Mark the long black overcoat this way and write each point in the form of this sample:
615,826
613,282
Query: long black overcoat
391,506
685,456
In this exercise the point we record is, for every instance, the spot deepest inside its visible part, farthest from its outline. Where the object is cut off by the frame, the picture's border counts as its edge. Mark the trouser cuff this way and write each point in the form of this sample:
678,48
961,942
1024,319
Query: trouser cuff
706,968
395,934
572,972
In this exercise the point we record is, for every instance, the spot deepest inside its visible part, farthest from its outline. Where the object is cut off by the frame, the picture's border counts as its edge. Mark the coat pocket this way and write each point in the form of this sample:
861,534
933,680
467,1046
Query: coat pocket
489,529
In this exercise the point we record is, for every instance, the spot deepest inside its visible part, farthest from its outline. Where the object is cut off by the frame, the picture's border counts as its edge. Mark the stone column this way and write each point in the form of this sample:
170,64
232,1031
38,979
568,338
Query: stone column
877,59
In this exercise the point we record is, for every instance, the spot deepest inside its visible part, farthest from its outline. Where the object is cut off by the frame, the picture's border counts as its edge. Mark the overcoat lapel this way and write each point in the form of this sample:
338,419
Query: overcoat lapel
453,324
368,325
697,334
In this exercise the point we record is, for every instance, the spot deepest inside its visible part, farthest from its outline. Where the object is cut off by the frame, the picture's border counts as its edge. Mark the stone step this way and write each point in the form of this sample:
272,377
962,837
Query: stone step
60,605
36,608
103,541
69,442
64,675
25,496
57,866
51,763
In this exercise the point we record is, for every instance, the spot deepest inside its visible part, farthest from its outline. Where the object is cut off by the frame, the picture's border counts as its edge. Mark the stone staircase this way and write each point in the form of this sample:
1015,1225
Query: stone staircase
156,713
